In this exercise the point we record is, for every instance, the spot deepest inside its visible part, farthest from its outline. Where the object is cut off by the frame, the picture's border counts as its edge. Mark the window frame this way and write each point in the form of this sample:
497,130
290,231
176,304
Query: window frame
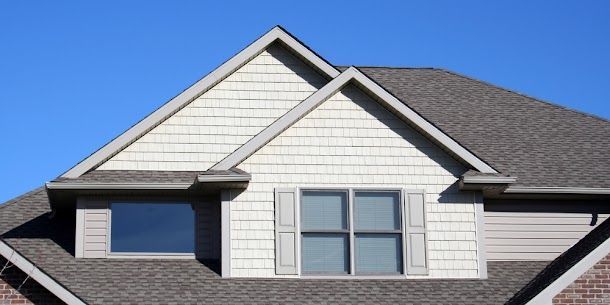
351,192
345,232
162,255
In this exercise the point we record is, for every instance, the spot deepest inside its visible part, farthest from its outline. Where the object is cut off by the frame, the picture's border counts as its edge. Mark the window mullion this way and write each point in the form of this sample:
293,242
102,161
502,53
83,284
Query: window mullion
350,210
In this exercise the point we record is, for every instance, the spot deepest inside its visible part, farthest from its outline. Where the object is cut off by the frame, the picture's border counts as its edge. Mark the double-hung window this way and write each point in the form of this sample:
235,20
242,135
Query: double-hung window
351,232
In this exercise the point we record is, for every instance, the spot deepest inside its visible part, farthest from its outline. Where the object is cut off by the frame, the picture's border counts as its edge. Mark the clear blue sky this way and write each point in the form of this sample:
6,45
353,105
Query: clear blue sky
75,75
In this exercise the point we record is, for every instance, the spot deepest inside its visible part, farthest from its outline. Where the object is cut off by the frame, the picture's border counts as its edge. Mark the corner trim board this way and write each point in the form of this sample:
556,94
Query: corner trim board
38,275
204,84
479,214
225,233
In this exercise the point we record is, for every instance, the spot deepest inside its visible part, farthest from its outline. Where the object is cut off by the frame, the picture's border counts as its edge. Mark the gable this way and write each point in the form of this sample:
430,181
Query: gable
352,129
351,141
225,117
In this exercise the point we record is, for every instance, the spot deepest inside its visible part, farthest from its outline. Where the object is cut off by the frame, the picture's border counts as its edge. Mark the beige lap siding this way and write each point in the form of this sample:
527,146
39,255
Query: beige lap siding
224,117
530,235
351,141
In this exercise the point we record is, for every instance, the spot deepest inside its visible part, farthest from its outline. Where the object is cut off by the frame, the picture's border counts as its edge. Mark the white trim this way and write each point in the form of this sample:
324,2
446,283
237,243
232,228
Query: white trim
224,178
350,75
38,275
479,214
488,180
79,236
546,296
117,186
225,233
558,190
182,99
150,255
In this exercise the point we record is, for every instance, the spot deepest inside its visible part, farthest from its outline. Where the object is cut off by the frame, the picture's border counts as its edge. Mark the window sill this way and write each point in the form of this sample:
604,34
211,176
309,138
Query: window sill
356,277
151,256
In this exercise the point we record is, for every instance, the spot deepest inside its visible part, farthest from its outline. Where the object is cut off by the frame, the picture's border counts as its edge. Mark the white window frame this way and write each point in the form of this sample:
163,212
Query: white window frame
351,191
144,255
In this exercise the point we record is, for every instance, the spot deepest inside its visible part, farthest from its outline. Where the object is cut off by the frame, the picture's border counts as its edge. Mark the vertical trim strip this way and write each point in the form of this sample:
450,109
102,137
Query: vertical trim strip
479,214
225,228
79,240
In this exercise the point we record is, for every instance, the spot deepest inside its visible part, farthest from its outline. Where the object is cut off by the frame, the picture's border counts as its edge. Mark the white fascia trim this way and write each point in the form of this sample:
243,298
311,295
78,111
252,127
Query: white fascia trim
181,100
489,180
38,275
546,296
223,178
117,186
557,190
351,74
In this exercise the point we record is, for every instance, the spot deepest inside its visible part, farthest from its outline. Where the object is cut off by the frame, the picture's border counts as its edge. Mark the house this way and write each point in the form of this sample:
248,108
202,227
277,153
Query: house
282,179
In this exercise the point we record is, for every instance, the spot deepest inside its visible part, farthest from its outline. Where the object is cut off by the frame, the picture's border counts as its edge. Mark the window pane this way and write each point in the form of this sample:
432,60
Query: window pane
323,210
152,227
378,253
325,253
376,211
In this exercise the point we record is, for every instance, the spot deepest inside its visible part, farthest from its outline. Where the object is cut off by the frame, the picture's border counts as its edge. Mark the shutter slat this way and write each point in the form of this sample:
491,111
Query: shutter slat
285,231
415,229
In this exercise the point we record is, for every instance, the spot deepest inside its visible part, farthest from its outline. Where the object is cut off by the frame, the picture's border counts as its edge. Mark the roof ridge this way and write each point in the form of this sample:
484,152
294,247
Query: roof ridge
594,116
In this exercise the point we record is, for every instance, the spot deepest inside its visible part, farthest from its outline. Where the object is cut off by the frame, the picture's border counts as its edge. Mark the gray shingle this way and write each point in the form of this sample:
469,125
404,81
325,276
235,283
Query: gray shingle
540,143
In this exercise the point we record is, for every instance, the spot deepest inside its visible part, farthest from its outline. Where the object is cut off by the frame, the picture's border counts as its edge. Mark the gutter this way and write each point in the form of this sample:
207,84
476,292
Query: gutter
223,178
117,186
38,275
557,190
488,180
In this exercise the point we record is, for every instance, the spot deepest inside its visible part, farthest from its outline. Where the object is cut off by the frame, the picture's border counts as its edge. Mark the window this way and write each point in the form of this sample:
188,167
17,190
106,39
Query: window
159,228
338,226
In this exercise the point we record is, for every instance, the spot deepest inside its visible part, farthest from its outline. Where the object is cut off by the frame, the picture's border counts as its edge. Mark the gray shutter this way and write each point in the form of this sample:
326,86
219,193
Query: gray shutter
415,230
285,231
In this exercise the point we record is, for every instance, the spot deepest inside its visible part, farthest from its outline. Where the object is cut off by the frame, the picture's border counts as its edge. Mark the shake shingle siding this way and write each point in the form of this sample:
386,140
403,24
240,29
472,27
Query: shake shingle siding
352,141
223,118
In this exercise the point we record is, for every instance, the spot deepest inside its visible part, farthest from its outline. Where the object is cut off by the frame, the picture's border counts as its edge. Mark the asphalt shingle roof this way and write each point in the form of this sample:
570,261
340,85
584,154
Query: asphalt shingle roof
49,243
542,144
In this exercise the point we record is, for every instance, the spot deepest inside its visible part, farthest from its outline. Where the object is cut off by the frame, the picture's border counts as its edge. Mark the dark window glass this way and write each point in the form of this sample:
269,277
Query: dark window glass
152,228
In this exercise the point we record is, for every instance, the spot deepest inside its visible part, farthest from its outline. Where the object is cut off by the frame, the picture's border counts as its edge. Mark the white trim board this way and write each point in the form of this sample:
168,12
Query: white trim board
546,296
350,75
201,86
38,275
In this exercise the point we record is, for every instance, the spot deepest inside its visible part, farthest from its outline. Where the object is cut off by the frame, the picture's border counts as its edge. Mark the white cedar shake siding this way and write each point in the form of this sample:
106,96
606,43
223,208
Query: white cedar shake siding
352,141
225,117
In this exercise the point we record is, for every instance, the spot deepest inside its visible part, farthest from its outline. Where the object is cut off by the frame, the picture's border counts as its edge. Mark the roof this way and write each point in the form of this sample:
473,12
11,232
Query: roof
563,263
542,144
49,243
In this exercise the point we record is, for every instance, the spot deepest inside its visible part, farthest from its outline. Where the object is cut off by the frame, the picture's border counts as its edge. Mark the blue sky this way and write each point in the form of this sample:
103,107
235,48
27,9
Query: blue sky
73,75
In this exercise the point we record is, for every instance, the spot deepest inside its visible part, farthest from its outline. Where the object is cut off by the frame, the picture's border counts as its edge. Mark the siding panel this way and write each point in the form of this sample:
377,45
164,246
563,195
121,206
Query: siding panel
535,234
